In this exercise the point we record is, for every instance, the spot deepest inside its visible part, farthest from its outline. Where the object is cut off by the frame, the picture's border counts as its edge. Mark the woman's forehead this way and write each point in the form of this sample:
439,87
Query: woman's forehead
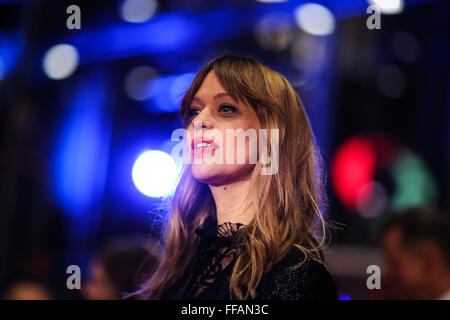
212,89
210,86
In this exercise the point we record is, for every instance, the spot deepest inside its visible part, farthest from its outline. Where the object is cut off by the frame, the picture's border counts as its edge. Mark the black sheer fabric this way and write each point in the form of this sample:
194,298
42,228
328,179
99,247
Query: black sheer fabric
208,274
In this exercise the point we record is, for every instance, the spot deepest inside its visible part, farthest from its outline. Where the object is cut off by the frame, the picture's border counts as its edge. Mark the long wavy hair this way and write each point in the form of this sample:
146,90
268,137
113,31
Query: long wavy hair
288,204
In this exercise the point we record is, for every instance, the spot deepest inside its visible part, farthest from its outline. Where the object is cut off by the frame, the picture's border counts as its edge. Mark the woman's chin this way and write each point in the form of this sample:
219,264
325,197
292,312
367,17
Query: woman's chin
219,174
205,173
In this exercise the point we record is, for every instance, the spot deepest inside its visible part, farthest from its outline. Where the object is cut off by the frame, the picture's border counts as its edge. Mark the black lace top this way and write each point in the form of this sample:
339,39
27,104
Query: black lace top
207,275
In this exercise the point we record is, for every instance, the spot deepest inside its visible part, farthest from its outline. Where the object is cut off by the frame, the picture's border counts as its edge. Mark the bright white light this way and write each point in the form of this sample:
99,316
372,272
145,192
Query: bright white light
389,6
315,19
155,173
138,11
60,61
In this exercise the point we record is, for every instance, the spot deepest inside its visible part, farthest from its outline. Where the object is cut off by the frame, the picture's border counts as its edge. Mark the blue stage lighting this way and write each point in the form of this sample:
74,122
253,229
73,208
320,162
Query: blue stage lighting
11,49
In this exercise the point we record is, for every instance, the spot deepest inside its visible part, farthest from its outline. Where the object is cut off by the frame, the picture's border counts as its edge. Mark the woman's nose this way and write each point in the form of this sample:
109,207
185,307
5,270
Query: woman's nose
204,120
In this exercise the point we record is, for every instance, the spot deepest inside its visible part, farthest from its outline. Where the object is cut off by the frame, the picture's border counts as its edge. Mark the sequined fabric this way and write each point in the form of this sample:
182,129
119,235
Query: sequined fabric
208,274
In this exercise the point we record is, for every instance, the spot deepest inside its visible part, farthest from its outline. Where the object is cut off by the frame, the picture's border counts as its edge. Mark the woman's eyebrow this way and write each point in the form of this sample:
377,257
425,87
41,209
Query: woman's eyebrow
219,95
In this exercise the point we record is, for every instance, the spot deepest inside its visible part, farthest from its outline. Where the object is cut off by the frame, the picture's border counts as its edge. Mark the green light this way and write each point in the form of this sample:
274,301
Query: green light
415,185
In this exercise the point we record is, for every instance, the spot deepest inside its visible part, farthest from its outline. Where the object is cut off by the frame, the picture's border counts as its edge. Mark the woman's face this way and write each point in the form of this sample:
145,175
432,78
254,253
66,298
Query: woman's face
213,112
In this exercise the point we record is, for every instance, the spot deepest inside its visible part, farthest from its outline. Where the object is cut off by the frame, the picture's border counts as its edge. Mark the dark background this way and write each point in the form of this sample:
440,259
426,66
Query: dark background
67,146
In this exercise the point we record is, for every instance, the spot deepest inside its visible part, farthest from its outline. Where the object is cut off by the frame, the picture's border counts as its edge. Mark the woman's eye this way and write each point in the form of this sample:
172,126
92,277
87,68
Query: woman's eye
228,109
193,112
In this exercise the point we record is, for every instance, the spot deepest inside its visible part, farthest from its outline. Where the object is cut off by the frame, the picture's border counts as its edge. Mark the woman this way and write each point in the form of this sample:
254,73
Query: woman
233,232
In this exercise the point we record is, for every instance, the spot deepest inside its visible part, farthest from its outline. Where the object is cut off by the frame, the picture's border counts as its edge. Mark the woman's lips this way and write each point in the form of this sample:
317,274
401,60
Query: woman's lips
201,150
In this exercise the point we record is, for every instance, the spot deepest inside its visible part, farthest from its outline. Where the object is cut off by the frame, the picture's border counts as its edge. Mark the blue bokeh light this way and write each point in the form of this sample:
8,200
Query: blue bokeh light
166,92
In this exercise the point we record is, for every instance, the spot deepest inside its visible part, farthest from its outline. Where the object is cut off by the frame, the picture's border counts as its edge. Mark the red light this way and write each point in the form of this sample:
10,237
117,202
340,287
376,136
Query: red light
352,169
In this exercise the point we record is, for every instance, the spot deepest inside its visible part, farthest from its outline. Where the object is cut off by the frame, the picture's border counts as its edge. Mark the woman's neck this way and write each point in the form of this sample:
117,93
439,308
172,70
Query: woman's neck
230,202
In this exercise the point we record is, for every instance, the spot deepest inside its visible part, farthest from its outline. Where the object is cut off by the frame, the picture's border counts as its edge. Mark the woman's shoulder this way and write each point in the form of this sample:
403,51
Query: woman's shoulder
310,281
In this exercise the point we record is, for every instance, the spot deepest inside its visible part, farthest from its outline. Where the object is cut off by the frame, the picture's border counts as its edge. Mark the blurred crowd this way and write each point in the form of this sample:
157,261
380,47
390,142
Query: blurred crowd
415,245
116,271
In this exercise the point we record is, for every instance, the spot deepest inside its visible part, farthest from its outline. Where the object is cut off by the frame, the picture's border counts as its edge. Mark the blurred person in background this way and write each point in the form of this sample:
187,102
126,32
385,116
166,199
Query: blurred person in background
27,289
118,270
416,246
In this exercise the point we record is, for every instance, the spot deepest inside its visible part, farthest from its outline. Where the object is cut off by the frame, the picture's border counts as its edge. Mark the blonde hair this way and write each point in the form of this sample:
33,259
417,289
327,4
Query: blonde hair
288,203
